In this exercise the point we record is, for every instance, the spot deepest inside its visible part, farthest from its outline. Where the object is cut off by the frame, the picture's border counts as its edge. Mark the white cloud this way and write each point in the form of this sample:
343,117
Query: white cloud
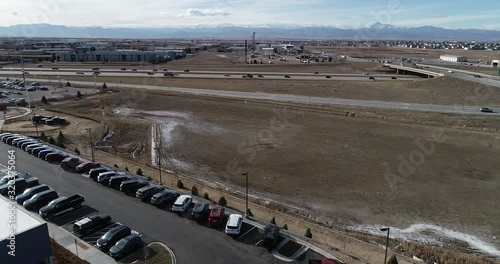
14,13
205,12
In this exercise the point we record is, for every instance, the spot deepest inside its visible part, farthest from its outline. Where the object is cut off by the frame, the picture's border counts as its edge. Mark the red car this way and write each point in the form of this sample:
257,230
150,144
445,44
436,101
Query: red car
86,166
216,215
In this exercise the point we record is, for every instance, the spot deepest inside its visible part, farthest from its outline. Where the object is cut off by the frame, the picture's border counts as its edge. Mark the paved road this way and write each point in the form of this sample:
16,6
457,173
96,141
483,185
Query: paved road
309,99
192,243
217,75
465,75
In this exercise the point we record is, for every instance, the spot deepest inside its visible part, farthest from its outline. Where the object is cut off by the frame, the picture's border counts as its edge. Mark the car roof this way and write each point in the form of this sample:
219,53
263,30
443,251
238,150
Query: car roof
43,193
233,219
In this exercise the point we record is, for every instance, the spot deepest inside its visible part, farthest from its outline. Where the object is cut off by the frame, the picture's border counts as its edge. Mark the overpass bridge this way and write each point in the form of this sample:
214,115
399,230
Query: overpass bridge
403,69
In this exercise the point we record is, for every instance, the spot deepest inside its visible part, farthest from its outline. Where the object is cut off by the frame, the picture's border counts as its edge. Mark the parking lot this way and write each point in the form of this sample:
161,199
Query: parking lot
192,242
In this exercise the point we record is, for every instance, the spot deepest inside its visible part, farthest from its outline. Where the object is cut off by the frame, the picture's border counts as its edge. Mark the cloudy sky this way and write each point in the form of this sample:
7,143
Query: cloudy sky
169,13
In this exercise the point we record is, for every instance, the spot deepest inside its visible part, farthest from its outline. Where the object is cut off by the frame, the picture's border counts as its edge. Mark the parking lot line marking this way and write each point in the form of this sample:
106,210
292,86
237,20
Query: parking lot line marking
246,232
257,244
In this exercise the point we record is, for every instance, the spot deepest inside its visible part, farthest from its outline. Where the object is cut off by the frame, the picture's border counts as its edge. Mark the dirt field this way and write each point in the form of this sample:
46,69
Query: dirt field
333,164
443,90
389,52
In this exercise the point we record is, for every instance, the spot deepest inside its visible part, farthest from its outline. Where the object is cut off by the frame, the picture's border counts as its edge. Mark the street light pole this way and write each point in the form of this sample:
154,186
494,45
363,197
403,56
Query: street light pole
386,242
159,152
246,192
91,145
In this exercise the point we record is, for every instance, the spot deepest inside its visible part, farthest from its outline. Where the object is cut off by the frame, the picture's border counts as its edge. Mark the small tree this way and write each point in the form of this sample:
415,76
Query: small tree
44,100
392,260
126,168
104,86
78,94
52,140
194,190
68,84
205,195
60,136
139,172
330,59
43,137
116,166
273,220
77,151
308,233
180,185
62,145
222,201
285,226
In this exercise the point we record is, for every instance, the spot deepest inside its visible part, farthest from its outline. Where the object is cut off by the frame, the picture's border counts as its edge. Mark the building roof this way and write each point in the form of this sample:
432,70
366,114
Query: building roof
23,221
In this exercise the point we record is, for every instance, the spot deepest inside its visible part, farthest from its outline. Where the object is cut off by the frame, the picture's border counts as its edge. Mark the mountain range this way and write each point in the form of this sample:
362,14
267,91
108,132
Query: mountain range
375,31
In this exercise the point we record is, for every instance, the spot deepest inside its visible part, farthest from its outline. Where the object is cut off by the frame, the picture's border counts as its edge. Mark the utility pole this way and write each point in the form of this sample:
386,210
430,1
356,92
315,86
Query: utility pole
91,144
246,192
387,241
159,151
27,93
246,51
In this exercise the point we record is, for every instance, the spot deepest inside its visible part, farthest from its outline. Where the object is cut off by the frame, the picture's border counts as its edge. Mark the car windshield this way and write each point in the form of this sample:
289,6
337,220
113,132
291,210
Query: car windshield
109,235
121,244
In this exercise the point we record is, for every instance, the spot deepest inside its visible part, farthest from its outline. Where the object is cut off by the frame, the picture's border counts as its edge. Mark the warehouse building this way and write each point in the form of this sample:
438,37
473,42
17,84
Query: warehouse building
24,238
453,58
122,56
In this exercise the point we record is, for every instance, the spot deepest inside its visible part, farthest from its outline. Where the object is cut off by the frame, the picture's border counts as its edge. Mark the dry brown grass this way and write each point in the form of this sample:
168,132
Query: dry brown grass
63,256
443,256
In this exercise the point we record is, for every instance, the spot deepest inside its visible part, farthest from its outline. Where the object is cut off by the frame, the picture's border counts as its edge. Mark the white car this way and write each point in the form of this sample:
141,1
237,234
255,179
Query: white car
234,223
365,73
450,71
182,203
104,177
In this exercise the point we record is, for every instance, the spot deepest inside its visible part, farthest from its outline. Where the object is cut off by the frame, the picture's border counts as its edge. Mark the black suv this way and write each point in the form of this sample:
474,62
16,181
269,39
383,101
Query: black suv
164,197
270,237
70,164
145,193
200,211
125,246
112,236
132,186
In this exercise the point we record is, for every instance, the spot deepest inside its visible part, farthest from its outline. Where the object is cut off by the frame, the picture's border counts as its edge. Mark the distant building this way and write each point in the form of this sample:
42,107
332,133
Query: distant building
29,237
453,58
123,56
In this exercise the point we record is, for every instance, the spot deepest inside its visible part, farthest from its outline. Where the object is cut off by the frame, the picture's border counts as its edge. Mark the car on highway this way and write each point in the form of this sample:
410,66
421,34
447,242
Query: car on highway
125,246
39,66
234,224
155,70
485,110
145,193
371,78
123,69
60,205
328,77
450,71
134,70
365,73
70,163
90,224
181,204
30,192
56,157
260,76
164,197
316,72
394,77
96,73
109,239
151,73
200,211
55,68
95,69
477,76
87,166
43,88
270,236
168,74
227,75
131,186
186,70
216,216
287,76
249,75
40,200
80,72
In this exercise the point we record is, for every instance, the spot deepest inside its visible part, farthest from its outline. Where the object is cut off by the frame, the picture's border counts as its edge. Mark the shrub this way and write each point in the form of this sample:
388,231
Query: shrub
205,195
285,226
52,141
77,151
116,166
62,145
68,84
194,190
393,260
180,185
43,137
308,233
126,168
222,201
60,136
44,100
104,86
273,221
78,94
138,172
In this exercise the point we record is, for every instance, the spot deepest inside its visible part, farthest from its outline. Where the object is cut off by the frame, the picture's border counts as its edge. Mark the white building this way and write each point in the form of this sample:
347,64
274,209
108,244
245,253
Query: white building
453,58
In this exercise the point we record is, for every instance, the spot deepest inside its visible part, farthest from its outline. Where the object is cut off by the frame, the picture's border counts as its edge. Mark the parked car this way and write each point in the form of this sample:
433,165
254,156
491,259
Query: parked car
131,186
37,151
90,224
11,138
87,166
216,216
182,204
29,148
104,177
40,200
7,176
234,223
125,246
17,140
145,193
200,211
112,236
270,237
56,157
70,163
485,110
20,184
93,173
60,205
30,192
115,181
44,153
164,197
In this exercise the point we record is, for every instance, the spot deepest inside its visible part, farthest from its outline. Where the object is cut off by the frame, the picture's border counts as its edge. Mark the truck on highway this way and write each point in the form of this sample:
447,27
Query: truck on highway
60,205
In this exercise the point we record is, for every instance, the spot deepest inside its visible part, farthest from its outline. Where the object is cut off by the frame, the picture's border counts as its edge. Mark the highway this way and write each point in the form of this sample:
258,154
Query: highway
192,243
309,99
465,75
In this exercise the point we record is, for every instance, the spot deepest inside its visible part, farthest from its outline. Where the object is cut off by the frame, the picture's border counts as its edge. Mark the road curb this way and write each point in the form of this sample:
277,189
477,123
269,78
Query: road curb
174,260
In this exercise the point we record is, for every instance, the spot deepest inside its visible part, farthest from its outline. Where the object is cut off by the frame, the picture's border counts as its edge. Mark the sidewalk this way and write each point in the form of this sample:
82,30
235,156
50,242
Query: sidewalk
85,251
